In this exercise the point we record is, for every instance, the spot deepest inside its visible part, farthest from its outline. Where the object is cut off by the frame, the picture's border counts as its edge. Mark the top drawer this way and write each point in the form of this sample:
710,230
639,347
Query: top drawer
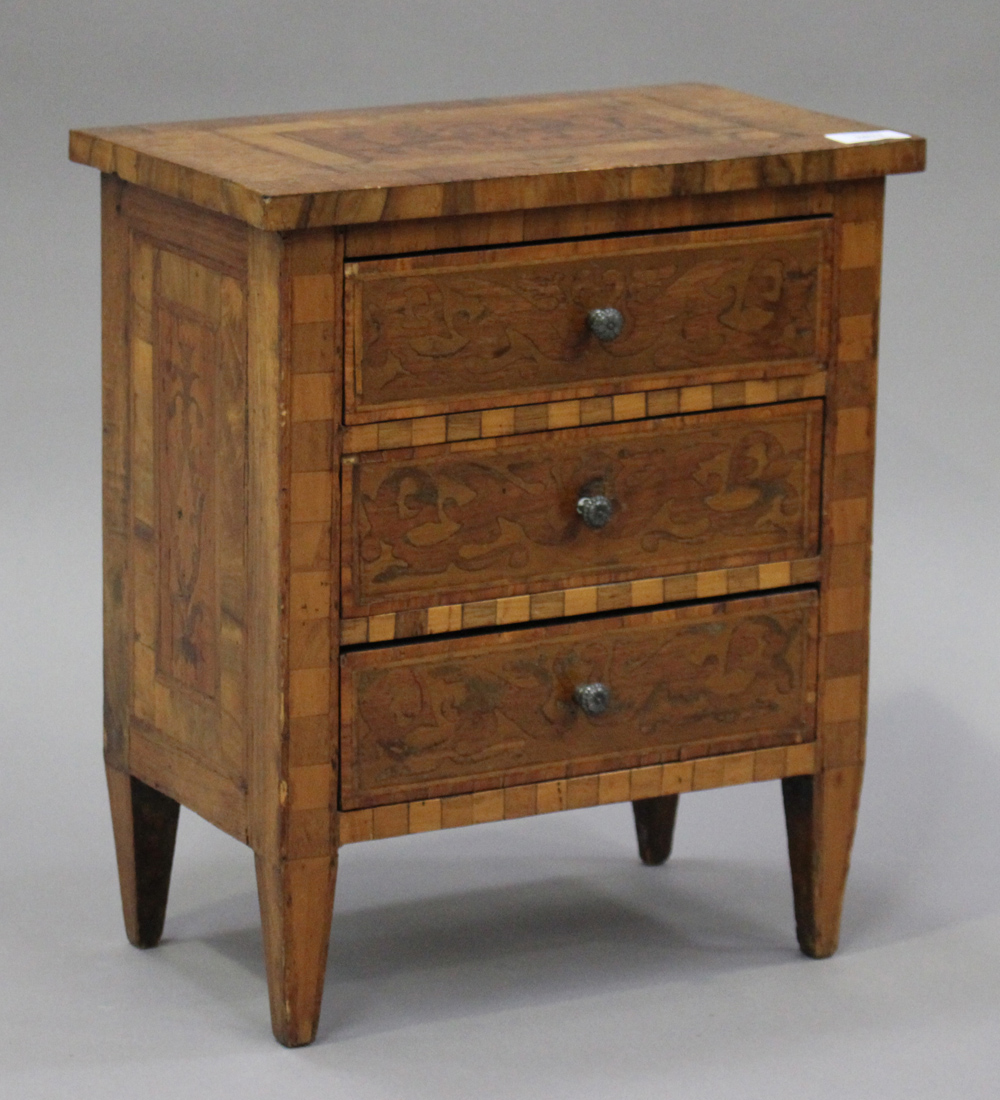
471,330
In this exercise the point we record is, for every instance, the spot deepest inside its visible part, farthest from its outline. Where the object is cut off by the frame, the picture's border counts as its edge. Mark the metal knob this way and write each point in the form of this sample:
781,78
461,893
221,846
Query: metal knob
593,699
595,510
606,324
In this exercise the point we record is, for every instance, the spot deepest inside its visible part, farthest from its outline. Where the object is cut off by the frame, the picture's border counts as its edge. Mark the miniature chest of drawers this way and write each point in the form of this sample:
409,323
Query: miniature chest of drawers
477,460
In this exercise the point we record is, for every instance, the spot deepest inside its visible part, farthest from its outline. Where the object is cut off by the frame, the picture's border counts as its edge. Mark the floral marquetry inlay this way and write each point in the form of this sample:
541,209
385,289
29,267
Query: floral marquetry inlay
709,679
464,521
493,324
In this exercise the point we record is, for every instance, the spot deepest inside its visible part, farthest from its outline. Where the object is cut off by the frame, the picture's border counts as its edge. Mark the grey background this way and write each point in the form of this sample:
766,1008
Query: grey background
532,958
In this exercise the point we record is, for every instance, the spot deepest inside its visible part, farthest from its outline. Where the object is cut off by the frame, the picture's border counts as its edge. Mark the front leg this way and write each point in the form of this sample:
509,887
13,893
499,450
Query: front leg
296,908
820,814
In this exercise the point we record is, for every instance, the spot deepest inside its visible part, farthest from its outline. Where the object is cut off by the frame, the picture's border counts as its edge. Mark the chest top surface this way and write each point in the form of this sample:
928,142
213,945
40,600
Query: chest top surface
429,160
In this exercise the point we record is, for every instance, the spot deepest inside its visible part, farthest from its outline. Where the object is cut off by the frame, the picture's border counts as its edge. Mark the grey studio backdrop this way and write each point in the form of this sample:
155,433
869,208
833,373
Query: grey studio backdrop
534,958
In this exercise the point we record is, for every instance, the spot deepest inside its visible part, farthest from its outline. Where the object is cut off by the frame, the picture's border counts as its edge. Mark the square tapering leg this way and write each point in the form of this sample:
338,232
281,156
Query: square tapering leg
145,827
296,908
654,827
820,814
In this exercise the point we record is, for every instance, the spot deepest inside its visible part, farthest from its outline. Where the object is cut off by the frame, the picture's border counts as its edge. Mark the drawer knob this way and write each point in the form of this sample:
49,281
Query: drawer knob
595,510
606,324
593,699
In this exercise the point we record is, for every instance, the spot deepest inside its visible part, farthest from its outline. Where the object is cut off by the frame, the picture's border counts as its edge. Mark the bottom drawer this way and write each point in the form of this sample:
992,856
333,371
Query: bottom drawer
468,713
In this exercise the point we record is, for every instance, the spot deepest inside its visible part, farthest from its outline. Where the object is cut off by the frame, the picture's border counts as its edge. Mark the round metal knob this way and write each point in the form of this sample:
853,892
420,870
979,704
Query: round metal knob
606,324
595,510
593,699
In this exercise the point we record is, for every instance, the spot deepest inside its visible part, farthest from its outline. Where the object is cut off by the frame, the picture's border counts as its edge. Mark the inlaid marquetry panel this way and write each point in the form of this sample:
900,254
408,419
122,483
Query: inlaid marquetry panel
188,636
466,521
484,329
188,546
435,718
434,160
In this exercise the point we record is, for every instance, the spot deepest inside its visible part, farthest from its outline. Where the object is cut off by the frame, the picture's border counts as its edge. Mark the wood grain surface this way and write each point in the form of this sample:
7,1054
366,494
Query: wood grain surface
576,792
116,475
432,160
428,719
557,603
585,219
576,413
186,354
175,500
448,332
145,830
304,453
296,908
189,435
470,521
311,276
821,812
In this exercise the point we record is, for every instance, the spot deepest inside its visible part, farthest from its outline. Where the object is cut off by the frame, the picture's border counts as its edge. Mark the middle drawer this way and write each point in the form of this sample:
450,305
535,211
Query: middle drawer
475,520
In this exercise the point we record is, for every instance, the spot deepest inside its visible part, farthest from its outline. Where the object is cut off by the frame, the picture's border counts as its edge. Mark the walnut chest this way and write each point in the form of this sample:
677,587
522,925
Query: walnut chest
469,461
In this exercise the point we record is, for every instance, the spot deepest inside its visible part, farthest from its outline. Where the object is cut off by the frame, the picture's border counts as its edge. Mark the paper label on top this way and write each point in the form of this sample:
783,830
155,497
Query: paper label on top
858,137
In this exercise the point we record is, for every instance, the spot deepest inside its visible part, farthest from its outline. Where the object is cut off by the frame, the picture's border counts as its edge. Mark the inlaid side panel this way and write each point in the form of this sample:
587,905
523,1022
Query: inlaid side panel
186,346
484,329
466,521
188,535
423,720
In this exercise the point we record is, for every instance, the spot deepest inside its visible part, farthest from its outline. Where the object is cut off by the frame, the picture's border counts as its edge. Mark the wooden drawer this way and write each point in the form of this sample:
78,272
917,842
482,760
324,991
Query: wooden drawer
475,520
472,330
433,718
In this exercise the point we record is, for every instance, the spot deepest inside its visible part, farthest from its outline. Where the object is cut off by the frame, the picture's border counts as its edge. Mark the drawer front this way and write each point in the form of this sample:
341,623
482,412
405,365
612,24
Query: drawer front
434,718
453,331
474,521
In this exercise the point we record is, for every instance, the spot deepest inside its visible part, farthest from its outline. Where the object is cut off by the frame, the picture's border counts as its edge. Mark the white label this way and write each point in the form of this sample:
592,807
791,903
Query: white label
858,137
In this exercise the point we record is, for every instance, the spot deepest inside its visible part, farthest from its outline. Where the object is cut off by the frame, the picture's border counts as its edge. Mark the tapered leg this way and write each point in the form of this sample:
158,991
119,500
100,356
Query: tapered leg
654,827
145,826
296,907
820,814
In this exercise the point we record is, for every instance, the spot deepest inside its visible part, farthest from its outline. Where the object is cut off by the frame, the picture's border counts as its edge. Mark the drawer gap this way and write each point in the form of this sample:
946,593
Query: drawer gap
457,250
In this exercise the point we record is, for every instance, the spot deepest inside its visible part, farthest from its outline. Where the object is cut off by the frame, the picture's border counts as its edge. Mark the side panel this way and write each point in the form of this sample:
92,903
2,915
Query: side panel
116,473
180,626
